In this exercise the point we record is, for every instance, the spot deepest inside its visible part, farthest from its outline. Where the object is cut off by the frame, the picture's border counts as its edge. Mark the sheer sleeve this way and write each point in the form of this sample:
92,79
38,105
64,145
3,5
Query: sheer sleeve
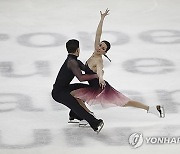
81,65
75,68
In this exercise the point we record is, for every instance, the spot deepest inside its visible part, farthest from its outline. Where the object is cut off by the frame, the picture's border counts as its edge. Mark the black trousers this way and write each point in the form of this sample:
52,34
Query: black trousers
63,96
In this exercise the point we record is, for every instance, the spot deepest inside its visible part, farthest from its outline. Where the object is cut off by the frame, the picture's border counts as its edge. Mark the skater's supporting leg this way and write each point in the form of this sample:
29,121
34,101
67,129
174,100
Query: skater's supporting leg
156,110
82,103
68,100
136,104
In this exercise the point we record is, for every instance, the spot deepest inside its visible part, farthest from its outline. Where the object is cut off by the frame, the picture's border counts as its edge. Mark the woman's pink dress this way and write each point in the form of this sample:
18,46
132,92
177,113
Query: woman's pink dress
94,94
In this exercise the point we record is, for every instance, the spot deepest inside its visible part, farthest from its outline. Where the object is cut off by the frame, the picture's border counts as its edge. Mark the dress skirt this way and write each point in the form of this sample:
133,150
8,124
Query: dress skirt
107,97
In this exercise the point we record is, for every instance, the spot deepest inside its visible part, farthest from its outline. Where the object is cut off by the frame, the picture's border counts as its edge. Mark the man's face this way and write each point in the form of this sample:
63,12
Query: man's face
78,51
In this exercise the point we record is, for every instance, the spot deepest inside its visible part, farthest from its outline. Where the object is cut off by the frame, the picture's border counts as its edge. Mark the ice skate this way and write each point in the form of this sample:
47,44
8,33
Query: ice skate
97,125
100,126
157,110
161,111
83,123
73,120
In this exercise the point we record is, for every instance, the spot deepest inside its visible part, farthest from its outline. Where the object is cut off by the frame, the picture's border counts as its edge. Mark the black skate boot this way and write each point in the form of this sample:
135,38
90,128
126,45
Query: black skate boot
97,125
73,118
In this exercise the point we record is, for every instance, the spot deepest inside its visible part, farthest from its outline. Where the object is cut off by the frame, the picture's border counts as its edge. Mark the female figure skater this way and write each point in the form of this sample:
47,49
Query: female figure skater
100,91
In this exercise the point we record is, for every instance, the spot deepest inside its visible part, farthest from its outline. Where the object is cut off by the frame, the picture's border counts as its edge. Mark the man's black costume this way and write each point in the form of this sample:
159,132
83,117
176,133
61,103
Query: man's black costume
62,88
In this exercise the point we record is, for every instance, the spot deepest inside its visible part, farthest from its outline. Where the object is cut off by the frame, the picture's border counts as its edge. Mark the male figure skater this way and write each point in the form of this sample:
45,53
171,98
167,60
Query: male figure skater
62,87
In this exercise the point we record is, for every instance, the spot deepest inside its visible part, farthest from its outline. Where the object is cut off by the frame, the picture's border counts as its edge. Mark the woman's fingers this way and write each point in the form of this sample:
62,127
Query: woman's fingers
102,84
105,13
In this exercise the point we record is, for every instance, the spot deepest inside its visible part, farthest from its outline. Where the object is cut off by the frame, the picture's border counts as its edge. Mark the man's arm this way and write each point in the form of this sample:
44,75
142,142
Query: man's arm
81,65
99,28
73,65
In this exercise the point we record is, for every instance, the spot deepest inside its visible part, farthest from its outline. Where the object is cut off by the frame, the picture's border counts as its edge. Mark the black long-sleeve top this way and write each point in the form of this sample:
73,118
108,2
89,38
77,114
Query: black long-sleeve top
71,67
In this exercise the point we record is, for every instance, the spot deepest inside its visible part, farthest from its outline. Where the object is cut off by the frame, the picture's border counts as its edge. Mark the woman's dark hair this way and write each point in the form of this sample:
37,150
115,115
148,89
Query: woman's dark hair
72,45
108,45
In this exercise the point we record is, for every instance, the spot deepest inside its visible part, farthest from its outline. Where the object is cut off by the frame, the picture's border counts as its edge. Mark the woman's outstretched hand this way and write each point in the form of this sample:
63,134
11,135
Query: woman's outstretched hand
105,13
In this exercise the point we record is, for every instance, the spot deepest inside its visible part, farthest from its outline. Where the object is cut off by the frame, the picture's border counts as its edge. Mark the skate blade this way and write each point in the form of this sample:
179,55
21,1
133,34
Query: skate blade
84,125
100,127
162,115
73,122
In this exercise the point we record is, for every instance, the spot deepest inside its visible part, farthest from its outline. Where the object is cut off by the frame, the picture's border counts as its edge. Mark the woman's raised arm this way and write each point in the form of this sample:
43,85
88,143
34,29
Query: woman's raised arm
99,28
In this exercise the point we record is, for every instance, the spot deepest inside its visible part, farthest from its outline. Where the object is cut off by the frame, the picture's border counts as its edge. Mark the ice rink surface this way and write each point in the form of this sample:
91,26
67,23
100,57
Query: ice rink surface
145,38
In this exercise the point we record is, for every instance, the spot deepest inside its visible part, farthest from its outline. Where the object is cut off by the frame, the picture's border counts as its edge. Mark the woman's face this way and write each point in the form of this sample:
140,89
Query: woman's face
101,49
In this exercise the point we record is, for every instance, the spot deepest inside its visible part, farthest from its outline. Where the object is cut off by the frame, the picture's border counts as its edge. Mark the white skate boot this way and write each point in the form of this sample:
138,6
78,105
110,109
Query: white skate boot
157,110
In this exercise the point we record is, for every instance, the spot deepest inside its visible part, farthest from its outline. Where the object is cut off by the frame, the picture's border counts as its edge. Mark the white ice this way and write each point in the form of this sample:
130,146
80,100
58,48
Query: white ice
145,66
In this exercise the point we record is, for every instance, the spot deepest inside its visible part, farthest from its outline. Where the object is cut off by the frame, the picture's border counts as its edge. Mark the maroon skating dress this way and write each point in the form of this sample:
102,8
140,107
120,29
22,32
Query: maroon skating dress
107,97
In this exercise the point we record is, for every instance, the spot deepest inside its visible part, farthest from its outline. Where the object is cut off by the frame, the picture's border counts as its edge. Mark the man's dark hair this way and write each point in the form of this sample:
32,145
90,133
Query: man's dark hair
72,45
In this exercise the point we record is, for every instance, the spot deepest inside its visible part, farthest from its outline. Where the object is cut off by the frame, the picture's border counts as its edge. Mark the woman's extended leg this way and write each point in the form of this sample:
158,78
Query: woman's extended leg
136,104
157,110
